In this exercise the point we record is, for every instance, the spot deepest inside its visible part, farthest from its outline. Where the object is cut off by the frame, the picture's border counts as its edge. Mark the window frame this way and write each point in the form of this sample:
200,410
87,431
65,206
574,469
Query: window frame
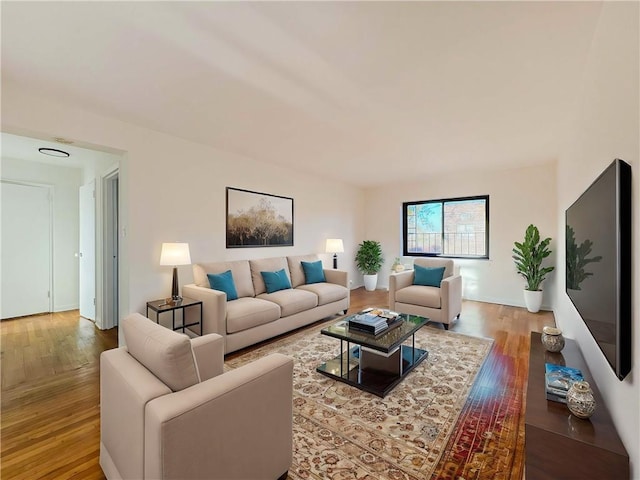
443,201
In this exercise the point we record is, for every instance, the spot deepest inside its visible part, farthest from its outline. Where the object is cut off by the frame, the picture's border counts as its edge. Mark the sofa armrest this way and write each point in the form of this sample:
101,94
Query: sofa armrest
214,308
451,295
400,280
396,282
236,425
209,353
339,277
125,388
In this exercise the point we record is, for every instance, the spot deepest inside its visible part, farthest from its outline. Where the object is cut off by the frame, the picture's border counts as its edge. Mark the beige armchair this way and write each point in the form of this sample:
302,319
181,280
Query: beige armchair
169,412
441,304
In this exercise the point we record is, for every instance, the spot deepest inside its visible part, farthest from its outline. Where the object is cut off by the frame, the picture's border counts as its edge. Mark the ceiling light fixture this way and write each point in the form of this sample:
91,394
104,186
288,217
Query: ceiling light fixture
54,152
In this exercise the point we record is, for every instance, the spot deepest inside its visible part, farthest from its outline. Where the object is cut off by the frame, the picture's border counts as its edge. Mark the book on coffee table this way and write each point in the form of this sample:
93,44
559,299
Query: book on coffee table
375,322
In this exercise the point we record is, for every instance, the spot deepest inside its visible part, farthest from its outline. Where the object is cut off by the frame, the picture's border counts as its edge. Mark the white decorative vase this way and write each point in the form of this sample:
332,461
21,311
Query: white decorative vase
533,300
370,282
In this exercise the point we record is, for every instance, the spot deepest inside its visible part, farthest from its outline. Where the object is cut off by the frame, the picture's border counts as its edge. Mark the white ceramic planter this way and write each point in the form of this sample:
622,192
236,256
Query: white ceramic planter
533,300
370,282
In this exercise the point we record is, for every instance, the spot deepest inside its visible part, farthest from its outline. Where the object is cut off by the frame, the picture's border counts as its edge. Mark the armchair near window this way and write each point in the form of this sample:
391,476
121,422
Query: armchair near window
427,295
167,410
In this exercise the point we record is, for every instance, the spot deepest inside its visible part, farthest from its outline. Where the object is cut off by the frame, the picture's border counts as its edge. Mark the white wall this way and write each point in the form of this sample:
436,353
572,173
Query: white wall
517,198
607,127
174,190
65,182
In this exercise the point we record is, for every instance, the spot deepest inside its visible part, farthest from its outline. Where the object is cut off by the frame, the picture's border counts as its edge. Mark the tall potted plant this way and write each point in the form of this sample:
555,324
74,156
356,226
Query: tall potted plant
528,257
369,260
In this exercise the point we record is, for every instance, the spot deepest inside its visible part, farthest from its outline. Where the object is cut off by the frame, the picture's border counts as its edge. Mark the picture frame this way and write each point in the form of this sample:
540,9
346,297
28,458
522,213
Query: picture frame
256,219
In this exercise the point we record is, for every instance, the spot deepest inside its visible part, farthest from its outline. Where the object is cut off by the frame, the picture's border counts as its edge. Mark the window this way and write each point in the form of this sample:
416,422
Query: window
454,227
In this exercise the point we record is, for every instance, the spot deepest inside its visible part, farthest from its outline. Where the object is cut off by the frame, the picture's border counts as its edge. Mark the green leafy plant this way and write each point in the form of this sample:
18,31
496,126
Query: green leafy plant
528,257
369,257
577,260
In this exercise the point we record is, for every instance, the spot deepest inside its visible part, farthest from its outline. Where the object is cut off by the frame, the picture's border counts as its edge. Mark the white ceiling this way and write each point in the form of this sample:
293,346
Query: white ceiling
369,92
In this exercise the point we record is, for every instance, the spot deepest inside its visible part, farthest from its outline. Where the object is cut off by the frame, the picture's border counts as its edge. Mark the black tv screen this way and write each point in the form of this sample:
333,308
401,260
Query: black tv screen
598,262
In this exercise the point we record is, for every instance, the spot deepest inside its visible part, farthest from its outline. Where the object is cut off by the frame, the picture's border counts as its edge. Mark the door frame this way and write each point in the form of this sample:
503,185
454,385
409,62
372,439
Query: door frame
50,191
110,204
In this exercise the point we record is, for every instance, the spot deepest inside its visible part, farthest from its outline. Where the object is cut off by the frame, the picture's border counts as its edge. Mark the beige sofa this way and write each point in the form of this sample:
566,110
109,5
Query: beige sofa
257,315
441,304
168,412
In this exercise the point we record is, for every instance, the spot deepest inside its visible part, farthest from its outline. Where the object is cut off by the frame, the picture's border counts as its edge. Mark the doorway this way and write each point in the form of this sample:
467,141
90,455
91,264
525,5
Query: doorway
110,188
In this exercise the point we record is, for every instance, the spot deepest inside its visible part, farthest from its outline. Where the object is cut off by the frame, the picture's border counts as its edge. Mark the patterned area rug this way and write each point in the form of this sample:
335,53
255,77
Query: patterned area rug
340,432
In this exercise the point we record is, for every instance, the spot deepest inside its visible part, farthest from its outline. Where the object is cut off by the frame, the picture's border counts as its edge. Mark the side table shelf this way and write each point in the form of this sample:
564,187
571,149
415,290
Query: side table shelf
559,445
161,306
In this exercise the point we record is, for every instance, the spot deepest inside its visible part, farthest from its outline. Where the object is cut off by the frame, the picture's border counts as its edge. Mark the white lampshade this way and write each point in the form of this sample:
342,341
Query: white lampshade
175,254
334,245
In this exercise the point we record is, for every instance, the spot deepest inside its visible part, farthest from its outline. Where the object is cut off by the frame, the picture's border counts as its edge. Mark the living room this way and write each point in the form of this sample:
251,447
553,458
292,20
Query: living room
173,185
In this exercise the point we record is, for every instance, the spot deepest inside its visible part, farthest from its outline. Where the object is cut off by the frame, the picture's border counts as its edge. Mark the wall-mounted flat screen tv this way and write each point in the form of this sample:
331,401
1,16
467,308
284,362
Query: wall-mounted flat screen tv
598,262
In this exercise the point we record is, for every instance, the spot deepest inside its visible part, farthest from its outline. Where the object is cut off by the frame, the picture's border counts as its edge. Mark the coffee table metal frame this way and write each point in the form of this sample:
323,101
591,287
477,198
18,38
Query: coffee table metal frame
375,365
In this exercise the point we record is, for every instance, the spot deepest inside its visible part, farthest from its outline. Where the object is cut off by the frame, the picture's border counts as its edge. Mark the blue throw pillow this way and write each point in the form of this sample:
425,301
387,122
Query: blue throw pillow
224,283
313,272
430,277
275,281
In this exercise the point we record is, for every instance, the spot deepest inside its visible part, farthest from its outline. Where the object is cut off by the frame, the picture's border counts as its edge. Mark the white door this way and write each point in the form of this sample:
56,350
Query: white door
26,250
88,251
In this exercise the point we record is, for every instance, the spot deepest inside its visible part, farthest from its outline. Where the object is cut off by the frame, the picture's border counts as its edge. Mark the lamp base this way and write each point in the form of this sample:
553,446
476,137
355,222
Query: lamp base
175,293
335,261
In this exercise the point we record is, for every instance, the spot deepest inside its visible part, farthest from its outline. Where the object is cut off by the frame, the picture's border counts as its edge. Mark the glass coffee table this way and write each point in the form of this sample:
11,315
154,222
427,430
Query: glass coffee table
375,364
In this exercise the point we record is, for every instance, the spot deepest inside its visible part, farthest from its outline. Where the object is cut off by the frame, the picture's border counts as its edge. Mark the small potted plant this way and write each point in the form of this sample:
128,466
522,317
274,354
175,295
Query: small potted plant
528,257
369,260
397,266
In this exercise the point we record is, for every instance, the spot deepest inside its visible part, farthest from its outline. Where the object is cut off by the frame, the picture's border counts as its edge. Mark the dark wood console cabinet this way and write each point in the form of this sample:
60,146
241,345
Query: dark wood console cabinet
559,445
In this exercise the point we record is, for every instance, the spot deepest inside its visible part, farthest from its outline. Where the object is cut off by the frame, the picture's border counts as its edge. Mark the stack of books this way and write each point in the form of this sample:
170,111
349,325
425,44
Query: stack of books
373,321
368,322
558,379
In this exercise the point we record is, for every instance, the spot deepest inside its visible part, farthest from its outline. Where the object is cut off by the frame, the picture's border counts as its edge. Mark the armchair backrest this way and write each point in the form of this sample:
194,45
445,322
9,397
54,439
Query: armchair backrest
166,354
429,262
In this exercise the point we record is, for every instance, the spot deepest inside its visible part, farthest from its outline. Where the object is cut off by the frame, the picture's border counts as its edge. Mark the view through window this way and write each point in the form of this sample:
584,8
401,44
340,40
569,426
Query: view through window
455,227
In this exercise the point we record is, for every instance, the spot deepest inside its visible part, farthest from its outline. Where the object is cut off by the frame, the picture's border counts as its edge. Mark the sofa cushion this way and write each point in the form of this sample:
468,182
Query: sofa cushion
266,265
165,353
224,283
428,276
274,281
296,273
313,272
292,301
239,269
419,295
326,292
248,312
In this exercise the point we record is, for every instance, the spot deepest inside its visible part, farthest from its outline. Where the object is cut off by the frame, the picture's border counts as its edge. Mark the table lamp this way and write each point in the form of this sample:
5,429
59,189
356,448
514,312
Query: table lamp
175,254
335,246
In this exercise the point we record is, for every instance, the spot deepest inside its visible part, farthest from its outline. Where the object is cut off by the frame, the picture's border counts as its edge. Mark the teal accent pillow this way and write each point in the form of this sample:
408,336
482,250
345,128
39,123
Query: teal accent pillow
275,281
430,277
224,283
313,272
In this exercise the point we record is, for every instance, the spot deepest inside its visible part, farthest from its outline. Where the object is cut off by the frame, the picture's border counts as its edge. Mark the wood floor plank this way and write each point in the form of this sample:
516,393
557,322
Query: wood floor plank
50,422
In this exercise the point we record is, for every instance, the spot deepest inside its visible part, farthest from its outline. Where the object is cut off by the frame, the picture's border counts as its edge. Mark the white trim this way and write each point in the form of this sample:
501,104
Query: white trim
103,308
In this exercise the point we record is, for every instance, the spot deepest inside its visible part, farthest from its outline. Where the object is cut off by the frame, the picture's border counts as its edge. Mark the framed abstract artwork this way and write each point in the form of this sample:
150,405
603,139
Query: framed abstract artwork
257,219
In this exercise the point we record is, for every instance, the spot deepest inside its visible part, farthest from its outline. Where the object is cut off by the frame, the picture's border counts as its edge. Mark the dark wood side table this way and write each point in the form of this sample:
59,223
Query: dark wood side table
559,445
161,306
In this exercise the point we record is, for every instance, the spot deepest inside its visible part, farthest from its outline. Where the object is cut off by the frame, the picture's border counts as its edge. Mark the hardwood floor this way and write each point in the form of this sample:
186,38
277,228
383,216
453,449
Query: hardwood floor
50,424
